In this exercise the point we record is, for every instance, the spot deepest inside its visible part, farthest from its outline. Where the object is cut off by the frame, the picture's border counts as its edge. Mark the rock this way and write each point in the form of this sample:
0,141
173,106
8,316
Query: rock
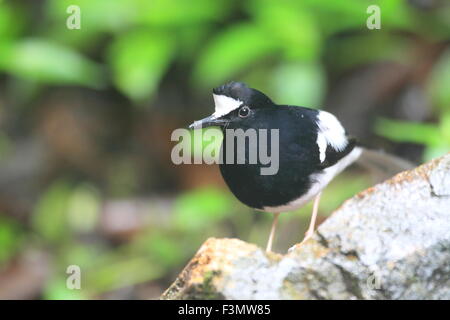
391,241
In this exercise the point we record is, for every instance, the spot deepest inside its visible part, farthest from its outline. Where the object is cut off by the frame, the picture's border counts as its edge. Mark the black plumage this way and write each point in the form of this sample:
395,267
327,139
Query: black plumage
298,150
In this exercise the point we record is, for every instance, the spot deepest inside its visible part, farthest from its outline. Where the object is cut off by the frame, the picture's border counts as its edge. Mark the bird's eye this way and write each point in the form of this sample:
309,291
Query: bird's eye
244,112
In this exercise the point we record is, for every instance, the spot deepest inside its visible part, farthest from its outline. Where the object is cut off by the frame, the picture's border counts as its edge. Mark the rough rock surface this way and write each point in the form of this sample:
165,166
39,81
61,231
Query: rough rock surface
391,241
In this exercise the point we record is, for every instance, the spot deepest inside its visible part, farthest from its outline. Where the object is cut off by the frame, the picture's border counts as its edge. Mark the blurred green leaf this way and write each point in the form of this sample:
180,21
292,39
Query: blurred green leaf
10,238
139,60
299,84
56,289
203,142
164,248
439,83
96,16
79,253
292,28
260,77
47,62
231,51
342,188
180,12
436,138
201,208
336,16
118,271
190,40
49,218
83,208
367,48
445,125
401,131
11,21
433,152
395,14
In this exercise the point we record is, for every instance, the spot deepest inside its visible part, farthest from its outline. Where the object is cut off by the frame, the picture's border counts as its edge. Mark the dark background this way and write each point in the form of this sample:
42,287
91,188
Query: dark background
86,116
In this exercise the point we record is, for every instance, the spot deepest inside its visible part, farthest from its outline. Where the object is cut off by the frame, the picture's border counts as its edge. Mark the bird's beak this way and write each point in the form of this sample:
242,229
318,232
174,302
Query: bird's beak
207,122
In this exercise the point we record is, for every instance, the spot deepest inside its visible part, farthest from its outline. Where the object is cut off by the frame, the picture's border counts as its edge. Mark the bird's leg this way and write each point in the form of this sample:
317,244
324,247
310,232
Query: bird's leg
312,224
272,232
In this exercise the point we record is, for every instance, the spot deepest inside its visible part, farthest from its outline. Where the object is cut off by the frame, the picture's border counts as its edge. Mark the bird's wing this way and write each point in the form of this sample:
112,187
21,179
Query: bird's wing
332,141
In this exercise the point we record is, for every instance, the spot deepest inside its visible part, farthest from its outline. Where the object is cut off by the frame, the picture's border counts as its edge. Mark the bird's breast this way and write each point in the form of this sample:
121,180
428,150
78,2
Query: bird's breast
295,162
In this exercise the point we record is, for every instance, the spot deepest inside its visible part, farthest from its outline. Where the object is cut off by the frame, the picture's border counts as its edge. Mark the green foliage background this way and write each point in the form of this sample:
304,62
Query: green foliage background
132,51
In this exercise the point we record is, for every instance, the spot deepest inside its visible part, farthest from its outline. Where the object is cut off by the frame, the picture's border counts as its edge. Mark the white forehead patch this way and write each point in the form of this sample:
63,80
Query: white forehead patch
330,133
224,105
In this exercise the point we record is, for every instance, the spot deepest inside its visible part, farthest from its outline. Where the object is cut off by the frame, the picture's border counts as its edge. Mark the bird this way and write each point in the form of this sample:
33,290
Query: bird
313,148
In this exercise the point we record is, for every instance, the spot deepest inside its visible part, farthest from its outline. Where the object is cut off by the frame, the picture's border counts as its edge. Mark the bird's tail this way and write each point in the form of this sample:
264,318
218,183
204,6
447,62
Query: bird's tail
381,164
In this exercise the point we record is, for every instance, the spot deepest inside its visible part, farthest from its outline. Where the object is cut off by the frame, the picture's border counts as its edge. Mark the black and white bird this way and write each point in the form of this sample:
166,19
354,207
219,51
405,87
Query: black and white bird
313,149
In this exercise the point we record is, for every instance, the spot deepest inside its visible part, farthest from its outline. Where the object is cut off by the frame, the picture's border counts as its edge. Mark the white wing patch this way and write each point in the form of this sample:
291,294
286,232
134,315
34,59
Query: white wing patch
224,105
322,143
330,133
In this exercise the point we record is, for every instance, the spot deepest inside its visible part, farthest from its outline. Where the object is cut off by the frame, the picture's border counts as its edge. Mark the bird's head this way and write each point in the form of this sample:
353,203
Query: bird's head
234,102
